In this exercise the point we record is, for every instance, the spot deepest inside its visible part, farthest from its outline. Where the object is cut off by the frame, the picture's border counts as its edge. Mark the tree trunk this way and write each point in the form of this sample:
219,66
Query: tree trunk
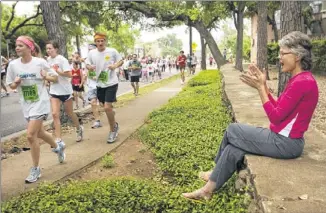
204,32
203,53
275,30
239,27
262,36
52,21
78,44
291,20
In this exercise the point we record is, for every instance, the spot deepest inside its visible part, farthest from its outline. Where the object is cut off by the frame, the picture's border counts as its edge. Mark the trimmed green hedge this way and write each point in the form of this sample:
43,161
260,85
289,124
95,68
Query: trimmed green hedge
184,136
273,53
115,196
318,51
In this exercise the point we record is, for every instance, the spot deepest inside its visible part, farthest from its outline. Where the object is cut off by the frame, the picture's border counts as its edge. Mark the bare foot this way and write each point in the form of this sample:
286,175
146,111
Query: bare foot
199,194
205,175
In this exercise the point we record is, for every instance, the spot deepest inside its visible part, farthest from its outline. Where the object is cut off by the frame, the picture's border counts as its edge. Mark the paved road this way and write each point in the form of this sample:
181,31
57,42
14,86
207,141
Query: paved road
12,119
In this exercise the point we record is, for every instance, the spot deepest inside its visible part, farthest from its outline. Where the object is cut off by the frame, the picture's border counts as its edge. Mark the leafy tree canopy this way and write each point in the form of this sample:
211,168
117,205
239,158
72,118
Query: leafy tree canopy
170,45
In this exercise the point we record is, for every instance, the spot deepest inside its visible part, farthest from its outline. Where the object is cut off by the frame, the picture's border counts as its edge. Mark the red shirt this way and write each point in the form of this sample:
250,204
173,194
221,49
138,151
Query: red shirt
76,80
182,60
291,113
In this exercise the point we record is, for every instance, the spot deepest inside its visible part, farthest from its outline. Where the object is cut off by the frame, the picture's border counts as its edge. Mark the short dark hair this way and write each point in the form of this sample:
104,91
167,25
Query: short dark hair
182,51
55,44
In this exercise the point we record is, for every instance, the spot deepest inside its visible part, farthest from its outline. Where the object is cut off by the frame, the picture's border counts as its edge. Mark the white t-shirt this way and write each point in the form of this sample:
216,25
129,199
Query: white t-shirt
160,63
126,64
34,97
63,86
150,68
193,60
91,84
155,65
102,60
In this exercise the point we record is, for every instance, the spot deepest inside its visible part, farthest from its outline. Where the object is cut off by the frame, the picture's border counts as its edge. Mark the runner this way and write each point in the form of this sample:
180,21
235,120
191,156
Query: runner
126,68
27,73
157,69
104,61
193,64
189,64
163,64
61,91
181,60
77,83
211,61
150,68
135,67
144,69
90,77
170,61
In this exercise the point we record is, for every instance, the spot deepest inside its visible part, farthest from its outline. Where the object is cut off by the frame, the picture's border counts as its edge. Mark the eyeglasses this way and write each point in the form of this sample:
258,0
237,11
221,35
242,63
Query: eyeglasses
283,54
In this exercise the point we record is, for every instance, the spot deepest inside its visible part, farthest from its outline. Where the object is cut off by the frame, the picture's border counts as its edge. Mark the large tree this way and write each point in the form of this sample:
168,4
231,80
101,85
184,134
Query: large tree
291,20
237,9
272,8
122,38
229,41
262,36
172,13
14,22
170,45
52,21
203,53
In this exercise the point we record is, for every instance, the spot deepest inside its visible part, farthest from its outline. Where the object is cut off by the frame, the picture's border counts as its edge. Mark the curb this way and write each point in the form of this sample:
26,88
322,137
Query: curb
46,124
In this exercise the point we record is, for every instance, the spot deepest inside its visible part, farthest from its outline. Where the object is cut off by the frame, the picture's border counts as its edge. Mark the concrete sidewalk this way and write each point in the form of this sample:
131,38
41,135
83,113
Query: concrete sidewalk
278,184
79,155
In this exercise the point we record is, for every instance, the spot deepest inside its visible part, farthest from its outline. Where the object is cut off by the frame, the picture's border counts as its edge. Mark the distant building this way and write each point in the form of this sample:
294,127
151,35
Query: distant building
254,29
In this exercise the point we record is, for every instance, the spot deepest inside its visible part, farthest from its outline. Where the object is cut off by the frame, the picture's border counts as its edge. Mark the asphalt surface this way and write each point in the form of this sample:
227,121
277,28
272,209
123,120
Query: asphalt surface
12,119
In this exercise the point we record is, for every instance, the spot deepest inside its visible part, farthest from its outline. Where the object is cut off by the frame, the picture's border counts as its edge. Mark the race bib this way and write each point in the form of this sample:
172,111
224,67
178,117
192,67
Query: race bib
104,76
91,73
30,93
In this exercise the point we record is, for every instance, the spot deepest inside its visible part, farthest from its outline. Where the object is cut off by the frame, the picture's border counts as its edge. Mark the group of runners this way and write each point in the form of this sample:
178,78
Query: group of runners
43,85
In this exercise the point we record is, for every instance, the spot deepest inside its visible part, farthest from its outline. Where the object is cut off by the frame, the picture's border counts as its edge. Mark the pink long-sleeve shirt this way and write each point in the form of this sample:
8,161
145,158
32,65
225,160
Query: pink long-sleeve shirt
291,113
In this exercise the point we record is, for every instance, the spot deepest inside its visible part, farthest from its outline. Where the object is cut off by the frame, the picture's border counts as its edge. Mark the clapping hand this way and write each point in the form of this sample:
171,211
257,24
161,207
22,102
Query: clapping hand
254,77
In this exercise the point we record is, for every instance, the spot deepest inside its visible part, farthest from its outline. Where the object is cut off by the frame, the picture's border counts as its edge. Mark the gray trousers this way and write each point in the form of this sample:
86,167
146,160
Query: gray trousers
241,139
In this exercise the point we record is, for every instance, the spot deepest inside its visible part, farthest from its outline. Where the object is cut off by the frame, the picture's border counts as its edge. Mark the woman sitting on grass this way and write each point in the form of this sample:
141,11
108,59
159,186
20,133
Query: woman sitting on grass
289,117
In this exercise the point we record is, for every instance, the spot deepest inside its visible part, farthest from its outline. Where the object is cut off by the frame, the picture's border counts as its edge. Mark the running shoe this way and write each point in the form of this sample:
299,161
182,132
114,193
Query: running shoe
34,175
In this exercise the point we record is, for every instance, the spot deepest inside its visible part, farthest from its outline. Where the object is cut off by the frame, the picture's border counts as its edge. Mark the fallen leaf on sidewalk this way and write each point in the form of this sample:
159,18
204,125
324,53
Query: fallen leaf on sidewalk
303,197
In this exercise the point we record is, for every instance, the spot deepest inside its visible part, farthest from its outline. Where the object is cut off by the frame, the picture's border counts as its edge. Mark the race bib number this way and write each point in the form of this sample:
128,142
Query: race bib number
30,93
91,73
104,76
